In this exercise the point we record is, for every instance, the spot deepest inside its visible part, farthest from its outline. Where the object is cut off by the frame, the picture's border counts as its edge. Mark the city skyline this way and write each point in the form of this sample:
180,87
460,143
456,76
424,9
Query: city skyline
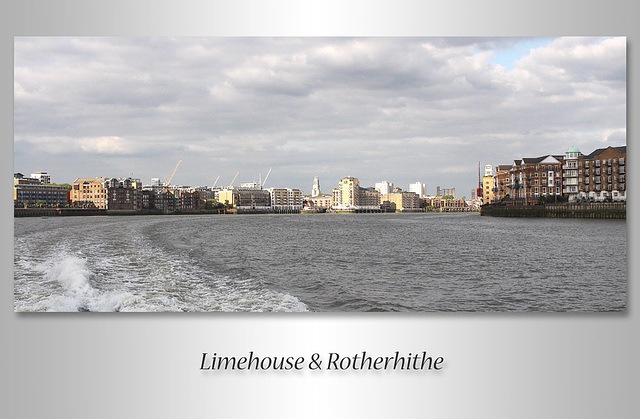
414,109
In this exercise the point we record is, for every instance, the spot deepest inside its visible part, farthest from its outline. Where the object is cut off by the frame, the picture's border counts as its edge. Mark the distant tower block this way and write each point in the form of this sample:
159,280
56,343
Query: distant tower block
418,188
315,191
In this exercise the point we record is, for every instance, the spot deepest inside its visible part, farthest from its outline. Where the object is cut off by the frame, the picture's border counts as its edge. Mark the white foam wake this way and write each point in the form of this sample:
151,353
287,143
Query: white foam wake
74,291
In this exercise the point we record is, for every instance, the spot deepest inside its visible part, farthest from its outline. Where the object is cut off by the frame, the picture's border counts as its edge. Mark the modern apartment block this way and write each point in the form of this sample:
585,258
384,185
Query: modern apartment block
350,196
107,193
246,199
598,176
605,175
345,195
384,187
123,194
448,205
43,177
418,188
536,177
286,200
445,191
487,185
526,180
404,201
31,191
89,192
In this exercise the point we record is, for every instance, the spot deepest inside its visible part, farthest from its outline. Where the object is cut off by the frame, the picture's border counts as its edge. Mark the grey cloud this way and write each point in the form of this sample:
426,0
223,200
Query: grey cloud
373,106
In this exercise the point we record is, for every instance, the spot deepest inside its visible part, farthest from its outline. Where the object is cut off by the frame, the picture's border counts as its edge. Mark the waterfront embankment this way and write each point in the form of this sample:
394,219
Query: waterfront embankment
56,212
564,210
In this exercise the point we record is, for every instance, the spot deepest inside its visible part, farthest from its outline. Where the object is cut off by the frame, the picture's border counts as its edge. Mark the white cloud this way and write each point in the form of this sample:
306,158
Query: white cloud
376,106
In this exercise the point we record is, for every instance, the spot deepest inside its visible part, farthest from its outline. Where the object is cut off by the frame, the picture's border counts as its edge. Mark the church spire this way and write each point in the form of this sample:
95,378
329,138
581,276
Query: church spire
315,191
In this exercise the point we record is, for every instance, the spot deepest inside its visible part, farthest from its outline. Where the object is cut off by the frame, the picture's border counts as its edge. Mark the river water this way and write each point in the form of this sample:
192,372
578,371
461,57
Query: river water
319,262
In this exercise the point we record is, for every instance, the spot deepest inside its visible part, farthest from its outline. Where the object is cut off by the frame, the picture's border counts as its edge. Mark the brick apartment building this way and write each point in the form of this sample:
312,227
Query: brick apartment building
598,176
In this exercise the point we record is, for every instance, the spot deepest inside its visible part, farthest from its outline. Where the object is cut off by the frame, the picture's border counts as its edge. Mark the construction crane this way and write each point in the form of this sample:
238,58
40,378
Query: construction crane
168,182
214,183
265,178
234,179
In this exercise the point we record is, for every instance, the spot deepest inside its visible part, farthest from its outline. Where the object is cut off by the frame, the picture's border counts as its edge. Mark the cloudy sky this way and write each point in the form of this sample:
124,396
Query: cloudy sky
396,109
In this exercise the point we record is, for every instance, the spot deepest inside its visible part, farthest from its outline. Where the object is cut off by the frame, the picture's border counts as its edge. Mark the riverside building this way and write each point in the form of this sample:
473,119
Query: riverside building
286,199
487,185
536,177
89,192
605,175
246,199
404,201
318,203
31,191
597,177
107,193
350,196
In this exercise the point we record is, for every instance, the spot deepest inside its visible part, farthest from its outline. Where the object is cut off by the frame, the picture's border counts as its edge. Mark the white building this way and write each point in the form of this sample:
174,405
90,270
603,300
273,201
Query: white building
418,188
384,187
43,177
570,173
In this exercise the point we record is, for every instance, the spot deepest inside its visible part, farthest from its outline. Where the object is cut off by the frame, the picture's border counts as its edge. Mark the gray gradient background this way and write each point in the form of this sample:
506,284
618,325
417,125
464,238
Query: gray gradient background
146,365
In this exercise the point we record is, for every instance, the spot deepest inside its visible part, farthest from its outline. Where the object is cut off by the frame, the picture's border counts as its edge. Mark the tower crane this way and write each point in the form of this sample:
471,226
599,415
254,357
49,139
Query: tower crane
234,179
214,183
168,182
265,178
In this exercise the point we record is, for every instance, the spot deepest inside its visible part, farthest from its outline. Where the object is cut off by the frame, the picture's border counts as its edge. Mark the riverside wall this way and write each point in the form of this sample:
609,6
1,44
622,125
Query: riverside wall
565,210
57,212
